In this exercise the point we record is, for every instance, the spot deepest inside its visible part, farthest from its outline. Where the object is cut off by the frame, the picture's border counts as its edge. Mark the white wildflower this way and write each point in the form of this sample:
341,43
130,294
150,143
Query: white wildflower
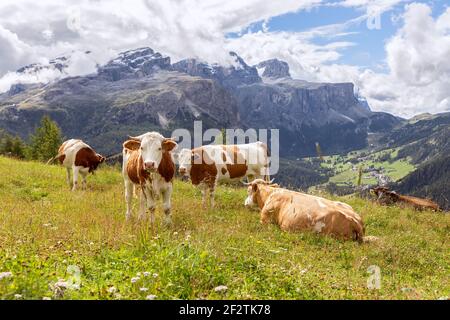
46,298
143,289
155,275
4,275
151,297
146,274
221,288
17,296
112,290
135,279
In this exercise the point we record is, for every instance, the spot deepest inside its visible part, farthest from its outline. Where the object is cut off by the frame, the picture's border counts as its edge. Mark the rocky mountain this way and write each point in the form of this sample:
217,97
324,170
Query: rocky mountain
273,69
142,90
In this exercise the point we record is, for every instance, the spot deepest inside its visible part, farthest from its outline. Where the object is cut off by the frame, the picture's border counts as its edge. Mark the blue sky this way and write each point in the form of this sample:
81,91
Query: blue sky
369,44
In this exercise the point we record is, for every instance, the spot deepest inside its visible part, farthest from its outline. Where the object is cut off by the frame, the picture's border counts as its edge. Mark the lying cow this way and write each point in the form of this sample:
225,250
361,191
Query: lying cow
208,165
386,196
295,211
81,158
148,163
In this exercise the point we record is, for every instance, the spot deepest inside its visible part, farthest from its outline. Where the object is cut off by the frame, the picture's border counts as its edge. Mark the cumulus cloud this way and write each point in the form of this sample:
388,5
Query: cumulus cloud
304,57
419,72
417,68
188,28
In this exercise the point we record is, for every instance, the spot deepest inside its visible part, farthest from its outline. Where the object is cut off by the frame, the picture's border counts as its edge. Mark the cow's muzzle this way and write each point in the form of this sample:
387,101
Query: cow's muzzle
150,166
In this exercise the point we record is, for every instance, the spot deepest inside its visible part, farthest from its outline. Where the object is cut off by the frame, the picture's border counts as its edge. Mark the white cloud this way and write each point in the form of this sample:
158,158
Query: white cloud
417,69
189,28
304,57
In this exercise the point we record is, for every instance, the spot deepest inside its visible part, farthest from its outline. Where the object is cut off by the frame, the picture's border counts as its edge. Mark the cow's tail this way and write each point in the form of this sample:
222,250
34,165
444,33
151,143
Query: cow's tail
52,159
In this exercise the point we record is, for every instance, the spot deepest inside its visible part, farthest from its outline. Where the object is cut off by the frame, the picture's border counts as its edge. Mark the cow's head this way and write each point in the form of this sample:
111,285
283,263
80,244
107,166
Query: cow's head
186,158
96,162
151,145
253,190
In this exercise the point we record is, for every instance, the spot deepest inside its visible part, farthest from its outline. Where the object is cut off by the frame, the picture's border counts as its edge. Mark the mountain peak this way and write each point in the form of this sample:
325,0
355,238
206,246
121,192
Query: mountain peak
135,63
273,69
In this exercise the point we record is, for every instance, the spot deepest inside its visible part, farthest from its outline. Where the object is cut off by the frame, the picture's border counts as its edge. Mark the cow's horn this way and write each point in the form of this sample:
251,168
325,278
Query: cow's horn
134,138
245,183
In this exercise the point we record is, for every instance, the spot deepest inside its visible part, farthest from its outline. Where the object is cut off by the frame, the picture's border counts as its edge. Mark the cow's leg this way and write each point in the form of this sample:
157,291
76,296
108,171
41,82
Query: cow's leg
267,212
150,202
167,194
142,201
83,176
128,197
76,171
68,178
211,196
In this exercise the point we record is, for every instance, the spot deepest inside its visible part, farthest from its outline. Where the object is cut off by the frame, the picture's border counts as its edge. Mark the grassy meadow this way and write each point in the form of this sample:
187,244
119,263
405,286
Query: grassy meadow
47,232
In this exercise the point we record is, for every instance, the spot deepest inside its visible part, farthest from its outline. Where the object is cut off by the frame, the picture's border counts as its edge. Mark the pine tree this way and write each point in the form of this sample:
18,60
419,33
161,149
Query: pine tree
46,140
11,146
18,148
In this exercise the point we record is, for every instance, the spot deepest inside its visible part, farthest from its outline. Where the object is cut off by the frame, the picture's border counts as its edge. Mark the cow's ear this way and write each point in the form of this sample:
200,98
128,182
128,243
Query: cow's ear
132,145
255,187
168,144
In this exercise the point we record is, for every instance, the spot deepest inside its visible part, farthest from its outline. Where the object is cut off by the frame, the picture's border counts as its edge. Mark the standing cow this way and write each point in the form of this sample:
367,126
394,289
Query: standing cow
208,165
81,158
295,211
148,163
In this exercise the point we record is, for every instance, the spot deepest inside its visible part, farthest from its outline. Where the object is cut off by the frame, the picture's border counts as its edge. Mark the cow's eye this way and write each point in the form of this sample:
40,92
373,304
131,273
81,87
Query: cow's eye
159,149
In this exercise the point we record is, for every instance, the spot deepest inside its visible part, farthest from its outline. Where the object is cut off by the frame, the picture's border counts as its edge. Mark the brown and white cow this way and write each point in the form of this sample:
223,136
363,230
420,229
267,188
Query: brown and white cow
295,211
148,163
81,158
210,164
386,196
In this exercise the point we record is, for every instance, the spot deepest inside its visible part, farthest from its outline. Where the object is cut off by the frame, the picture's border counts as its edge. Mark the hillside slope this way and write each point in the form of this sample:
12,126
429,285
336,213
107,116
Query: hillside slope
46,232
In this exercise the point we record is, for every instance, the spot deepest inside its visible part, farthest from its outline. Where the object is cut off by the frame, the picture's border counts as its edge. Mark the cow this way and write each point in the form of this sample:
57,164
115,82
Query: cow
210,164
295,211
76,155
385,196
148,164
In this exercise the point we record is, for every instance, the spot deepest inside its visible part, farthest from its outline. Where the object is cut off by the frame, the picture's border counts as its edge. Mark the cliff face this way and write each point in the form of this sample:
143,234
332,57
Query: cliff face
141,90
306,113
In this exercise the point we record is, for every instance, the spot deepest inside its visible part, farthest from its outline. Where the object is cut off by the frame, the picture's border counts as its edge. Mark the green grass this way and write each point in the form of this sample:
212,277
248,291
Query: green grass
45,228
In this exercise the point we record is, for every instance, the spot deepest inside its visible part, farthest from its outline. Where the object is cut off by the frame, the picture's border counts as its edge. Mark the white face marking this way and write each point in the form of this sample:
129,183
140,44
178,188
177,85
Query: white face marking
184,161
249,200
151,151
